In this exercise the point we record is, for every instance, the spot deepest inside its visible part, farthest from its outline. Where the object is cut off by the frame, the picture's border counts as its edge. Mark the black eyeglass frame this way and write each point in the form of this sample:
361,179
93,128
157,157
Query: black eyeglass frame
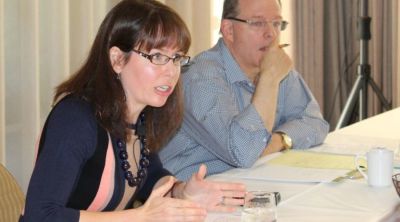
284,23
182,59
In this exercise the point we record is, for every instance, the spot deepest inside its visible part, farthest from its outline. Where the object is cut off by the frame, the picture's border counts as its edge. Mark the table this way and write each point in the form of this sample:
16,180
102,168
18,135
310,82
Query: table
349,200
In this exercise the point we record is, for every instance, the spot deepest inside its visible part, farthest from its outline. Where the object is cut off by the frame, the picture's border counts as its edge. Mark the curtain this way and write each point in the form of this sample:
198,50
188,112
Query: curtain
308,36
396,57
327,52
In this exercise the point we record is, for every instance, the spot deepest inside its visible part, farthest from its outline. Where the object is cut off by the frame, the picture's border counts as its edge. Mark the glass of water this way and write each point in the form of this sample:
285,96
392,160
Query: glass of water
259,206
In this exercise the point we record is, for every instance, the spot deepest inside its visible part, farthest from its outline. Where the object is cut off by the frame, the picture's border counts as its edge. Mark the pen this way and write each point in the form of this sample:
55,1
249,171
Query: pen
283,45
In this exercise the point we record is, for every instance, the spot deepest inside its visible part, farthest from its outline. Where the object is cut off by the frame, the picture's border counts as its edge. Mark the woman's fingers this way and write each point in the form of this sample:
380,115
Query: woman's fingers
163,189
214,195
184,210
178,218
159,208
227,204
202,172
171,209
180,203
233,193
232,201
223,209
184,219
233,190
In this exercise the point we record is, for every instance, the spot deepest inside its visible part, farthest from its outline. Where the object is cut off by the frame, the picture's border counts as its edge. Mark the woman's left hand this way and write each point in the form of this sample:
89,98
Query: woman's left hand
214,195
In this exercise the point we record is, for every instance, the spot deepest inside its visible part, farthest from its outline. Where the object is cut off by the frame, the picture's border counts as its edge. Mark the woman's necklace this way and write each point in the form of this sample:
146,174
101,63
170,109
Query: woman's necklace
140,131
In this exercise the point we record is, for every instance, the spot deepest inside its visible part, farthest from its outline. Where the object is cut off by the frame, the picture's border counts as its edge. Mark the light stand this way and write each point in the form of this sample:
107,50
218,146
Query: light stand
364,74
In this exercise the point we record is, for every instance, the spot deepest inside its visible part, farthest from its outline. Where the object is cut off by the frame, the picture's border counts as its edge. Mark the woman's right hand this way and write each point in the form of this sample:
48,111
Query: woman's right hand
158,207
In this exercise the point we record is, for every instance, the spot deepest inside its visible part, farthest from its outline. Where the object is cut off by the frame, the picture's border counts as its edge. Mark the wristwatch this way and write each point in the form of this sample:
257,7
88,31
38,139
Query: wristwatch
286,141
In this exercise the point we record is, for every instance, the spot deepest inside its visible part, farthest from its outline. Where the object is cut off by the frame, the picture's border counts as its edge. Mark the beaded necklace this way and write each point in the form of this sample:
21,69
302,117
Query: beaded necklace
140,131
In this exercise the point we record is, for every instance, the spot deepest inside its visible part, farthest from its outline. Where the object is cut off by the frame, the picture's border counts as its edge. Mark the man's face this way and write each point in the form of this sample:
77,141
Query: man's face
251,41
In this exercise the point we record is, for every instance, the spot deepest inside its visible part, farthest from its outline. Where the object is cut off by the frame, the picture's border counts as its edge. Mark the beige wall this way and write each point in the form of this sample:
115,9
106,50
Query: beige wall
195,13
2,116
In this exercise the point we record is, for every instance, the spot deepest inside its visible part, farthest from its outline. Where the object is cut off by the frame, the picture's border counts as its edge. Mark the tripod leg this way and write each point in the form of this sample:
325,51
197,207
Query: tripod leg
386,104
344,117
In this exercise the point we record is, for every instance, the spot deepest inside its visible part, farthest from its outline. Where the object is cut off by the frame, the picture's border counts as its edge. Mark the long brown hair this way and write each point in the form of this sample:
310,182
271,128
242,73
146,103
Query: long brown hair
145,24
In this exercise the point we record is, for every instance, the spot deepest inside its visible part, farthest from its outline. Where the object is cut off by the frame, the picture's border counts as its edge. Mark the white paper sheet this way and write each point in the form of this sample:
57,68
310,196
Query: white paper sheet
353,144
288,174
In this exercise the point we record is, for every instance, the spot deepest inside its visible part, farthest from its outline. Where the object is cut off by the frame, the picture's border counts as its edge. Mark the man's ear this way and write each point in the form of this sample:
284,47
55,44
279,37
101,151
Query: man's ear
227,29
117,59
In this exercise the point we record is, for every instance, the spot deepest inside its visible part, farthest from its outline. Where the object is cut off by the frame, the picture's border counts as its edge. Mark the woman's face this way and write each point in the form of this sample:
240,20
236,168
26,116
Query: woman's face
148,84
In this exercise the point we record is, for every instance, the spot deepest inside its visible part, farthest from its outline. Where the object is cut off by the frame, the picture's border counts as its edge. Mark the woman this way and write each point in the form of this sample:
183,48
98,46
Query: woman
97,153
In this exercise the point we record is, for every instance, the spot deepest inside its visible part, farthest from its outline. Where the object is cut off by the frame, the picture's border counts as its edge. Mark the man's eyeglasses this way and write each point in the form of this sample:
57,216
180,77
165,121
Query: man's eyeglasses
161,59
261,24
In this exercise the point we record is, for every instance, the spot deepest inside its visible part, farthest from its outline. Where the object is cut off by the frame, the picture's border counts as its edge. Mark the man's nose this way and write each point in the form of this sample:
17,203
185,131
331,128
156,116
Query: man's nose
270,31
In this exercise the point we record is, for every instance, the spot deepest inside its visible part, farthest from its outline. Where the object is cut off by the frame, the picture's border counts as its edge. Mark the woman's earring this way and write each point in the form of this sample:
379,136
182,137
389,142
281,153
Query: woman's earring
119,76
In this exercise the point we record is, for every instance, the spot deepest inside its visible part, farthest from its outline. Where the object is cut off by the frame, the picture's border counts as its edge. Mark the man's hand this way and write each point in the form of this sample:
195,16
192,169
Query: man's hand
276,64
275,145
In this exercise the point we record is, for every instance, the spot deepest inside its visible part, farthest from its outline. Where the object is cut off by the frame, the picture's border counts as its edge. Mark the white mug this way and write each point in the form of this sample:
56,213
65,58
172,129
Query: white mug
379,166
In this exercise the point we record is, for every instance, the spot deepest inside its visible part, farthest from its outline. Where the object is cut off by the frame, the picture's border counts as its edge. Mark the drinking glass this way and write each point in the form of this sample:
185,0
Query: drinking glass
259,206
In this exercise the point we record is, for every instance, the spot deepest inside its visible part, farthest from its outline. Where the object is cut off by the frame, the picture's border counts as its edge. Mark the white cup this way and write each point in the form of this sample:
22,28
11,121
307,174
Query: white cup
379,166
259,206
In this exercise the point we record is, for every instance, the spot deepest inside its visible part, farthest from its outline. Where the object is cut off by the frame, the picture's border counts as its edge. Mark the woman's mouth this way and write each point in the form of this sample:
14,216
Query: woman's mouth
163,88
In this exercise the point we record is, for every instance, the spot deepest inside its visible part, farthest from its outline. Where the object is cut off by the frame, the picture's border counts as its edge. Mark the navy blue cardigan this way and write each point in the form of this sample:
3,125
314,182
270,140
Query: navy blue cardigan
70,164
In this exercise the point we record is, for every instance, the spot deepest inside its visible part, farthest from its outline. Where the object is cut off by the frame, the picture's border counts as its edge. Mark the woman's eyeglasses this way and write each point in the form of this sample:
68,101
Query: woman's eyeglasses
261,24
161,59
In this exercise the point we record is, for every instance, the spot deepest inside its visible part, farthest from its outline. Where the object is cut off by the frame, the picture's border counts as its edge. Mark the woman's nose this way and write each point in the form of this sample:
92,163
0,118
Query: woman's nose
171,68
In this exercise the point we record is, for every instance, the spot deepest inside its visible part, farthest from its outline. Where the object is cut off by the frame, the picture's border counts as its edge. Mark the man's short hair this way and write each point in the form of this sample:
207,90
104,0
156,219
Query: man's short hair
230,8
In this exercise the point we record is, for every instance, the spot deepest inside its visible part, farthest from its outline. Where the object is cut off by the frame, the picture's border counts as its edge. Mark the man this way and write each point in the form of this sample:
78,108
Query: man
242,98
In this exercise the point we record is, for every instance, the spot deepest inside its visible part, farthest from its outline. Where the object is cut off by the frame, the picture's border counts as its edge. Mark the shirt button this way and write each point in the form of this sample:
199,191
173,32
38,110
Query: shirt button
265,140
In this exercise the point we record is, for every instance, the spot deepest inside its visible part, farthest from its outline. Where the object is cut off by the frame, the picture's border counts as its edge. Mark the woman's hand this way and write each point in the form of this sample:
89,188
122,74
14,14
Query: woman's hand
164,209
213,195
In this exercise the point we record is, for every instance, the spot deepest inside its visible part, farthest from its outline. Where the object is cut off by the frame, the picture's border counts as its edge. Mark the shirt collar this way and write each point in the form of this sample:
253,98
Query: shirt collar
235,74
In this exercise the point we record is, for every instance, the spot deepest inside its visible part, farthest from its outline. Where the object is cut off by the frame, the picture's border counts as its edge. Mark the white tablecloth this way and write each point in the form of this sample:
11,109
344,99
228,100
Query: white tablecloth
349,200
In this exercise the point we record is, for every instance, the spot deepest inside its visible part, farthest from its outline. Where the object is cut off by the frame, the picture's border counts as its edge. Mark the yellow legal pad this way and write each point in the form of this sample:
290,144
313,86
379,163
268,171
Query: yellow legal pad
308,159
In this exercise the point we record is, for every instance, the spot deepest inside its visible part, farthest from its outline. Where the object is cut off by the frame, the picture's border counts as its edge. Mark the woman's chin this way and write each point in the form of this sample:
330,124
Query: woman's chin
158,103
